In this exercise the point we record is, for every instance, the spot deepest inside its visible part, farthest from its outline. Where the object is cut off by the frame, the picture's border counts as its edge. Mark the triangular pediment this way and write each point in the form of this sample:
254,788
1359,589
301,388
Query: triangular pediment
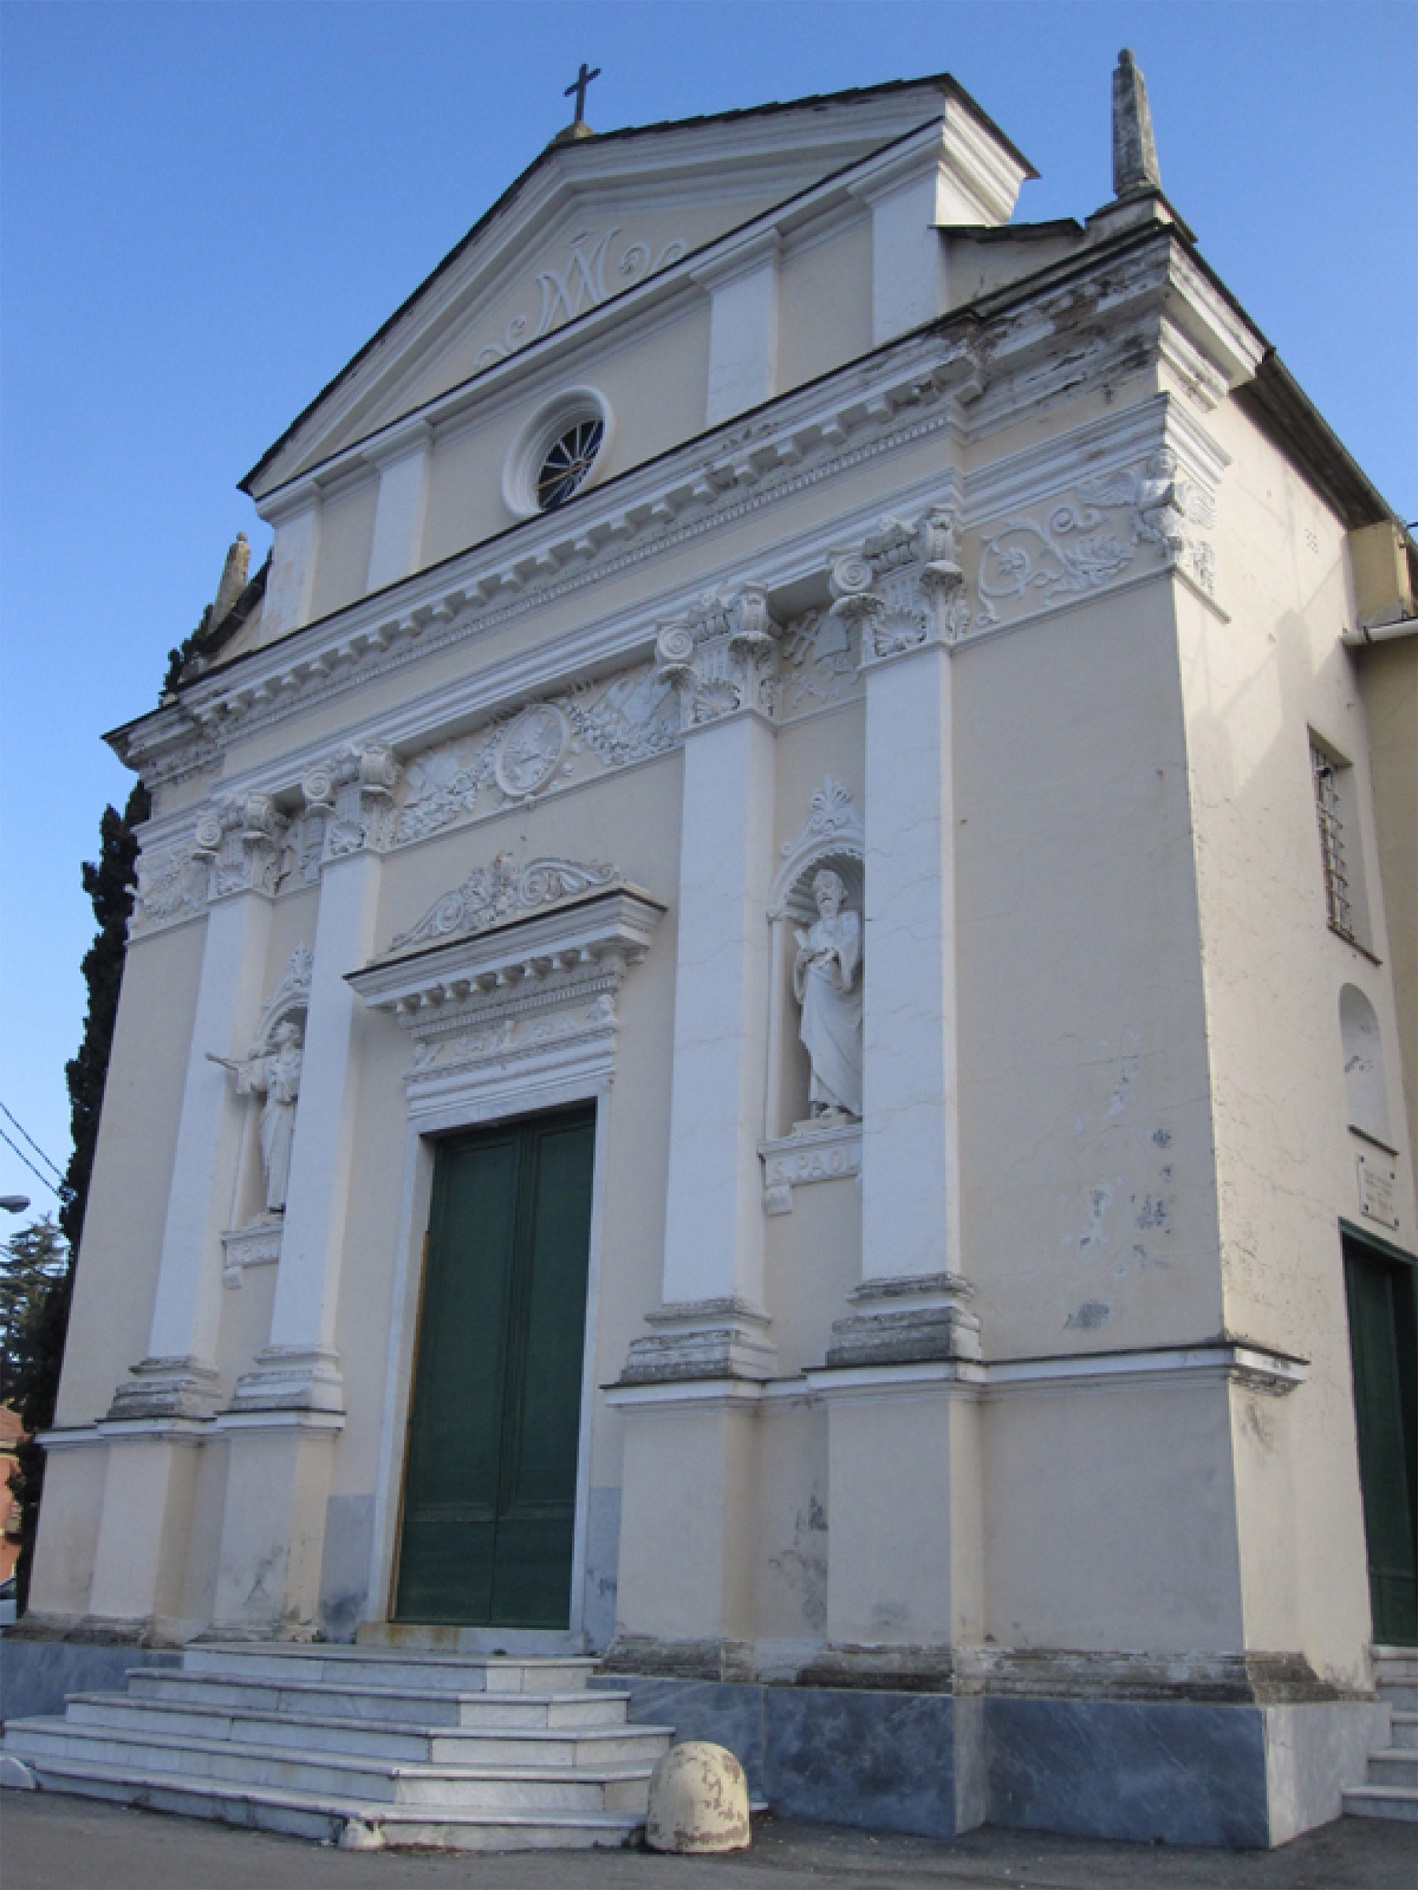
590,220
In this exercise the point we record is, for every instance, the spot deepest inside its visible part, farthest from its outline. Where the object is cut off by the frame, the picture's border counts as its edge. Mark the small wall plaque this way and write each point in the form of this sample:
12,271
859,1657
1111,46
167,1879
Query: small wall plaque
1377,1181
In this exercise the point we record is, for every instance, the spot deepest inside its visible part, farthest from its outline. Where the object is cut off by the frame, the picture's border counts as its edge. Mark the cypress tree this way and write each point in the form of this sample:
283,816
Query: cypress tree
110,883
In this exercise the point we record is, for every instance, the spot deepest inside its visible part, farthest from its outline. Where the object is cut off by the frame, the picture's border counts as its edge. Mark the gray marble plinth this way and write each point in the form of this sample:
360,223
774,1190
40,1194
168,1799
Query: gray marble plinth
1239,1777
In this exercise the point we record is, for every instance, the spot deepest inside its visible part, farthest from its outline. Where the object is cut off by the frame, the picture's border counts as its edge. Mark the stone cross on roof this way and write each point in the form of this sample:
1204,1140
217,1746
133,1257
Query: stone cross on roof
1134,149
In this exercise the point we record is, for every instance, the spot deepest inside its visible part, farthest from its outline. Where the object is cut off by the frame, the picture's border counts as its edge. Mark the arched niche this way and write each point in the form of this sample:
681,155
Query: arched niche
833,836
289,1003
1365,1083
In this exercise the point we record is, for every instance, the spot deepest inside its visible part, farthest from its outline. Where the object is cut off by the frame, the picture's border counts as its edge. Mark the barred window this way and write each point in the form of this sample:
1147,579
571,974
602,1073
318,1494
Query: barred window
1329,809
1339,816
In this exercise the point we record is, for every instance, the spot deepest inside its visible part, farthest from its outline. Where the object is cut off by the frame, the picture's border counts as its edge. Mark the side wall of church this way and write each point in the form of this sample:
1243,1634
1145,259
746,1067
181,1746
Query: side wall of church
1259,688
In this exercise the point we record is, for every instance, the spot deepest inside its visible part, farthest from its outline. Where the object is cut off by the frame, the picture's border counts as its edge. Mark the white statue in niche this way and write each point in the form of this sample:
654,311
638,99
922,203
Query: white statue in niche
273,1075
827,983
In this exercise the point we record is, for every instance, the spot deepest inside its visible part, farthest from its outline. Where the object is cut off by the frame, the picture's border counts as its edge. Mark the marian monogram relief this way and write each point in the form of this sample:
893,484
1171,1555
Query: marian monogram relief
580,283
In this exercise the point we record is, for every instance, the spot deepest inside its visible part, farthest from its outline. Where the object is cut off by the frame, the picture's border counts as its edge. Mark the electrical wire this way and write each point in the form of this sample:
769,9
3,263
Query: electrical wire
39,1172
33,1144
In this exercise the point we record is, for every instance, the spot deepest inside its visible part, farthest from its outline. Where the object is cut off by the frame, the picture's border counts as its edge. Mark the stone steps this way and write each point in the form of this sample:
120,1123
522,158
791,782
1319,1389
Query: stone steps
1391,1790
313,1698
351,1823
409,1741
358,1666
522,1786
392,1745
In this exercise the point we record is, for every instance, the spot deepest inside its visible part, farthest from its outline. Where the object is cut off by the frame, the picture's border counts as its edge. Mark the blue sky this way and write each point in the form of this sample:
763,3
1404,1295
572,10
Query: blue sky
208,205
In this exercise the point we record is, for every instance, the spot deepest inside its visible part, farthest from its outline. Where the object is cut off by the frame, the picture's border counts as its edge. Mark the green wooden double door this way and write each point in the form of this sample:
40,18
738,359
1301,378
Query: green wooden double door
1379,1286
494,1427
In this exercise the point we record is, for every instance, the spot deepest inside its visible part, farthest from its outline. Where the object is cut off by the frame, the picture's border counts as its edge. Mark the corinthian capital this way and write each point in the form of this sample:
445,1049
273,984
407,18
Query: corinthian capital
904,589
722,657
239,837
354,793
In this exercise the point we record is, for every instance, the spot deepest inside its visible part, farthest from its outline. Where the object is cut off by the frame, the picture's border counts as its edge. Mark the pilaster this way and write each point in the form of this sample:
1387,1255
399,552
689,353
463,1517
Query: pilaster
399,515
295,521
299,1368
905,592
238,838
712,1323
743,328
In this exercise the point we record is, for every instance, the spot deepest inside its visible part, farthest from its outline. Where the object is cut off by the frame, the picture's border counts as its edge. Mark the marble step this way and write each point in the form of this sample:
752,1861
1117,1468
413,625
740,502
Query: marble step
1401,1695
374,1666
1405,1731
328,1818
436,1788
411,1742
1390,1765
1381,1801
317,1698
1401,1663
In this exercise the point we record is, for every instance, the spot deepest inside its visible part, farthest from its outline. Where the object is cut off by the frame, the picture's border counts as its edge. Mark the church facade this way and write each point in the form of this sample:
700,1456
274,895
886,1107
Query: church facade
764,1026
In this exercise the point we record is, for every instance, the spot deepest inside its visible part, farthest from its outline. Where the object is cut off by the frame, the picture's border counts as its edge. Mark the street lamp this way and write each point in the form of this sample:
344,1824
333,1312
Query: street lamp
14,1203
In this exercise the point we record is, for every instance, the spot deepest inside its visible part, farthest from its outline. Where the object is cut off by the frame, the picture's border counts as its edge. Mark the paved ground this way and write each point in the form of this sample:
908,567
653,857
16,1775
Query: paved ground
56,1843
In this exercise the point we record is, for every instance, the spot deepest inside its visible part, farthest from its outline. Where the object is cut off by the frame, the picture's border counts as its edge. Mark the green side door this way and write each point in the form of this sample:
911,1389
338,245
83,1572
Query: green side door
494,1428
1379,1288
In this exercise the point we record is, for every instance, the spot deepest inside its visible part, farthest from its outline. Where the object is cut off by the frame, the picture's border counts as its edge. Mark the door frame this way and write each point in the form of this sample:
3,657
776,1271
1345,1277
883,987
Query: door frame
1386,1251
491,1096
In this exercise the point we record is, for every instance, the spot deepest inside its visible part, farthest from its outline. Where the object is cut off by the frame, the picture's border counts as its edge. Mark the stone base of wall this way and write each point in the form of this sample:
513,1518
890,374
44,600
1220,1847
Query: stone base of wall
1245,1776
36,1676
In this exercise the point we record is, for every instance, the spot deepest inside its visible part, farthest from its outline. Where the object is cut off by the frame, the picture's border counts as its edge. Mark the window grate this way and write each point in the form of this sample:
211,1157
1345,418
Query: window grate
1331,826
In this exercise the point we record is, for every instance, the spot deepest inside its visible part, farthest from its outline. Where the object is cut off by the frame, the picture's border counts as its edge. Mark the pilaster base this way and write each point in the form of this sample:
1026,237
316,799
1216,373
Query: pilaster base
182,1387
702,1338
909,1320
292,1378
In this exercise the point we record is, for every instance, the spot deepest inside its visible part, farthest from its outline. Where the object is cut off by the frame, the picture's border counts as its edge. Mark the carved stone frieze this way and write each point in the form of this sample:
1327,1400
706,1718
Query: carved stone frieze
1087,541
818,666
722,657
596,725
352,796
172,886
240,838
904,589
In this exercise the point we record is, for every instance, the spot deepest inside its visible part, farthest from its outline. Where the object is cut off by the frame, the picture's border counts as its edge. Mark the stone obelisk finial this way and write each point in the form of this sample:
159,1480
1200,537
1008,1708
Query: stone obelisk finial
238,563
1134,149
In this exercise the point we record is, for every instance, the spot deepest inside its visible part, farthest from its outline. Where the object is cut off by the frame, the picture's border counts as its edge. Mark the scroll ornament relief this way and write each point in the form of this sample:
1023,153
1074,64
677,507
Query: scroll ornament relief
722,656
904,588
493,895
580,284
485,990
1085,544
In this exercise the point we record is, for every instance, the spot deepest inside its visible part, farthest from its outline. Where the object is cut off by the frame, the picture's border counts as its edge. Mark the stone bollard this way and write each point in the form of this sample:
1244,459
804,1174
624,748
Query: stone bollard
698,1800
